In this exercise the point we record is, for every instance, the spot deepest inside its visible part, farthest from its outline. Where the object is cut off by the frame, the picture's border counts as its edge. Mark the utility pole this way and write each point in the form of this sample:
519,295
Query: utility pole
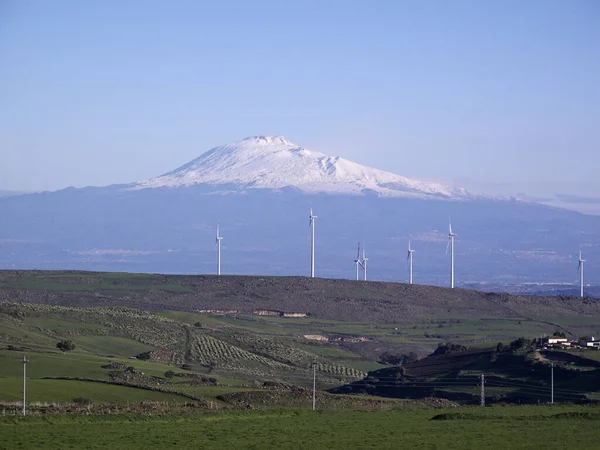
24,382
314,399
482,400
552,383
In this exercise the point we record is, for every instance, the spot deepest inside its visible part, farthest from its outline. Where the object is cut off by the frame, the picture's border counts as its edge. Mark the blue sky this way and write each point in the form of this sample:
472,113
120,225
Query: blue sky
503,96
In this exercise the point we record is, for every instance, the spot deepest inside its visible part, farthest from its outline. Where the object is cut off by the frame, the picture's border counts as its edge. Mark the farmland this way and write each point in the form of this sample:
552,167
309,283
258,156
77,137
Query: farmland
201,339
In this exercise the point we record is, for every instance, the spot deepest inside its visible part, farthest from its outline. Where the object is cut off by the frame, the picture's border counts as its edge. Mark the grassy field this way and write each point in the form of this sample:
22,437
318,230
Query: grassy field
486,428
69,365
64,391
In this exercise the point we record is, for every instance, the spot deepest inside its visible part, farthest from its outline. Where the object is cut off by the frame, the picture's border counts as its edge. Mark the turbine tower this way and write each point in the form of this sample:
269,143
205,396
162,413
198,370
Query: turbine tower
364,263
218,242
311,224
581,261
358,261
451,237
409,258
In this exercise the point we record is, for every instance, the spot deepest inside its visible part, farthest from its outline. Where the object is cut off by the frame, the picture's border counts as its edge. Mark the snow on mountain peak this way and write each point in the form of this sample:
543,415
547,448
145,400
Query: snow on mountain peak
273,162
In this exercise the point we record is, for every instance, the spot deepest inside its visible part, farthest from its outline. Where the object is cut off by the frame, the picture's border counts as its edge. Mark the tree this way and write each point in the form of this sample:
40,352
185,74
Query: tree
65,346
449,347
518,343
560,334
397,359
499,347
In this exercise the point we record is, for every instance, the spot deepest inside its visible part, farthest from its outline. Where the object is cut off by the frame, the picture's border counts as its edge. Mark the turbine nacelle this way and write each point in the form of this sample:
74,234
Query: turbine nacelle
410,251
218,237
311,218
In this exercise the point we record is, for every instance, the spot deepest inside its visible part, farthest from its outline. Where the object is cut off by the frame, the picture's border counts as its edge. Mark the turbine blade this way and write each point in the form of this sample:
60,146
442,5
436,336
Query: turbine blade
448,247
450,225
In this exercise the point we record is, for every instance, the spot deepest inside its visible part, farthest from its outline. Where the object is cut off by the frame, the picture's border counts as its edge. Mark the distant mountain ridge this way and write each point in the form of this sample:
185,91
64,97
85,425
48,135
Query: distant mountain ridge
273,162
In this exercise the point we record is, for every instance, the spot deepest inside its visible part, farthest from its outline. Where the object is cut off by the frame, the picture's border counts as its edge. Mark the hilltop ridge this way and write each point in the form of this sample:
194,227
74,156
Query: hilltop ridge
334,299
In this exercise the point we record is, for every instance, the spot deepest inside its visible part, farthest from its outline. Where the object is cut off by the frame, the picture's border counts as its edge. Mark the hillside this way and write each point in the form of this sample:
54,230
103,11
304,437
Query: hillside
345,300
512,375
245,330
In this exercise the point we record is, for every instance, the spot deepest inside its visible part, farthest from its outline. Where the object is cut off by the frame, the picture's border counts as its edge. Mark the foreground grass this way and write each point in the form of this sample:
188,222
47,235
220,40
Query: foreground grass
517,427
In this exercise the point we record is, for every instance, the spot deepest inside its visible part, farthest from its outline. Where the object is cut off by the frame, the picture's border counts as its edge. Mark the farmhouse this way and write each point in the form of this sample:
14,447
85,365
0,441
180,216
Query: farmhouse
217,312
316,337
294,314
267,312
589,343
555,340
271,312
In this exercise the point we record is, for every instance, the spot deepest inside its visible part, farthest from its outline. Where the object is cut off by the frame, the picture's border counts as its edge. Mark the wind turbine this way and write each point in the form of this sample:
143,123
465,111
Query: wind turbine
409,258
218,242
358,261
311,224
364,263
581,261
451,237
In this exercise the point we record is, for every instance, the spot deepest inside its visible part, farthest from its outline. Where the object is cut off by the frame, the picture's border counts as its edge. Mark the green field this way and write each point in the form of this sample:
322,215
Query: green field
486,428
64,391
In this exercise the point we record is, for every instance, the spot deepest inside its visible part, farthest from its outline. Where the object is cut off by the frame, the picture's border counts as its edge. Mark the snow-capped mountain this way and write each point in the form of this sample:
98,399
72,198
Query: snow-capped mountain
275,163
272,184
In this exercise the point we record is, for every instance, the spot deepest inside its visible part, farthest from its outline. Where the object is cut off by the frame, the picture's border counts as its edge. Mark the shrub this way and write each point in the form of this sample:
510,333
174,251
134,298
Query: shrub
145,356
518,344
65,346
397,359
449,347
82,401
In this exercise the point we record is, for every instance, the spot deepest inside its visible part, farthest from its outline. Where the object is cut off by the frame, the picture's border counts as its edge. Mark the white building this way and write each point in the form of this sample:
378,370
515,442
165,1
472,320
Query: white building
554,340
593,343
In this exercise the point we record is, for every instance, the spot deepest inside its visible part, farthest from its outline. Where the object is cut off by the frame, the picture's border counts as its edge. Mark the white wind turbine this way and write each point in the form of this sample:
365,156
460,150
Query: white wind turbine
581,261
451,237
364,262
311,224
358,261
409,258
218,242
